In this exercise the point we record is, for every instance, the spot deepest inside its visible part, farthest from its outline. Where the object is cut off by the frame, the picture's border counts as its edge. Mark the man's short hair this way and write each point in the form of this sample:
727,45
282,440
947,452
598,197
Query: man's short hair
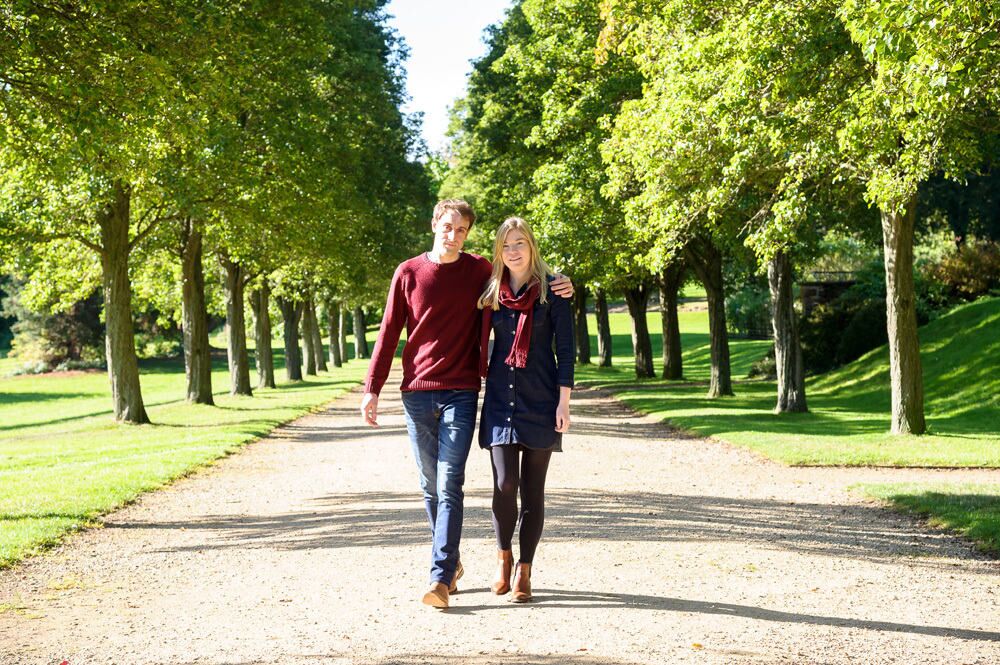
454,205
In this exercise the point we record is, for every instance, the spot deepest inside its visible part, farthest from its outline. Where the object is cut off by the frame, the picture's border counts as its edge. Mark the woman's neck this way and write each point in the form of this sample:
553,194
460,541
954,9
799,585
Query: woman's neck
517,279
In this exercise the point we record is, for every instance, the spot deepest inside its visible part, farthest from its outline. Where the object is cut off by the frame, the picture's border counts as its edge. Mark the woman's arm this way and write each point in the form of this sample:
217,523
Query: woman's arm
562,411
561,315
565,343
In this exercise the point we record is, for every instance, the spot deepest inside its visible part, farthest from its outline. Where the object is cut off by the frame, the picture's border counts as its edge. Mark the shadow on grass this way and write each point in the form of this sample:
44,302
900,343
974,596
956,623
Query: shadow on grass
286,388
18,517
82,416
958,352
20,398
296,431
751,410
696,352
975,515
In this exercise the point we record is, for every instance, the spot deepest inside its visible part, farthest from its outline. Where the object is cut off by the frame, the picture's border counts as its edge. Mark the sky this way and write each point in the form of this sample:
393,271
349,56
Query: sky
443,36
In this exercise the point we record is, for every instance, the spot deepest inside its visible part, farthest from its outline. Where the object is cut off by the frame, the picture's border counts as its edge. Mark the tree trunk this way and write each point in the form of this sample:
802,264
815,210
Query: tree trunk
670,283
787,350
308,339
264,355
333,314
905,373
706,261
342,338
360,341
197,355
637,299
236,328
123,365
582,334
291,311
603,327
317,339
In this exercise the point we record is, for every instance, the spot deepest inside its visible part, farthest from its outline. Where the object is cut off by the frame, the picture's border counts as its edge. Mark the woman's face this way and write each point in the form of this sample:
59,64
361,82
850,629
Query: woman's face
516,251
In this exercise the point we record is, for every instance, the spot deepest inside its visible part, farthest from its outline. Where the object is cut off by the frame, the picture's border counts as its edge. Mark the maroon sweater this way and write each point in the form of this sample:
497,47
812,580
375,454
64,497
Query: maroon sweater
437,304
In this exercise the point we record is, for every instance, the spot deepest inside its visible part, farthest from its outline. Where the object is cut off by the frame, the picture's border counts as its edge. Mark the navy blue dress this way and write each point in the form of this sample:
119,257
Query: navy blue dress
519,406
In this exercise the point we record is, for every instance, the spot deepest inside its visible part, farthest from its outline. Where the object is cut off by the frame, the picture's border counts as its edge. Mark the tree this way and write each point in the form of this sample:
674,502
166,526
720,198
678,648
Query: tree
928,91
197,355
258,135
260,299
669,282
92,95
732,141
527,137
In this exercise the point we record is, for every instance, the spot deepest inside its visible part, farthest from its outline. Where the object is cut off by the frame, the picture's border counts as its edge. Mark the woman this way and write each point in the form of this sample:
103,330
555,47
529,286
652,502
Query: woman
526,406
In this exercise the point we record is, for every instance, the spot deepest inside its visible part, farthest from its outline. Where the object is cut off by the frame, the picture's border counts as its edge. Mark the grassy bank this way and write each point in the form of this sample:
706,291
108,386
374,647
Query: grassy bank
970,509
848,419
63,461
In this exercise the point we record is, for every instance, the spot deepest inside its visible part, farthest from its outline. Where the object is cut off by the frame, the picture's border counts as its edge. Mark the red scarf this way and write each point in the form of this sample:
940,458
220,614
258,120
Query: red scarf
525,303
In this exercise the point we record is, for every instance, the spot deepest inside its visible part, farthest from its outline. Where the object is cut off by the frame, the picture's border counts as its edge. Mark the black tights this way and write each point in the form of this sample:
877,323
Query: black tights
534,465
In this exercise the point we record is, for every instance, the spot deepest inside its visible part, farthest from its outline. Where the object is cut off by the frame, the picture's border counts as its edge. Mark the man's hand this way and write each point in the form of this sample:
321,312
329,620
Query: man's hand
562,286
369,409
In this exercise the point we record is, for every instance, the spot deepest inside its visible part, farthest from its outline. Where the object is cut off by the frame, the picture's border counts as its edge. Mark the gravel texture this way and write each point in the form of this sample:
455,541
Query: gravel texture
311,546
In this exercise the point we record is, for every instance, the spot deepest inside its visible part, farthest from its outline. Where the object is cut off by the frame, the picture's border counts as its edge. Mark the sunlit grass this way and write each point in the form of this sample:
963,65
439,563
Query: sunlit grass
970,509
848,421
64,461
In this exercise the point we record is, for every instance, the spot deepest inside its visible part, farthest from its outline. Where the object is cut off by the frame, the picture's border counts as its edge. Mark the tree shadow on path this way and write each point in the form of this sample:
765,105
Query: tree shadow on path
387,519
594,599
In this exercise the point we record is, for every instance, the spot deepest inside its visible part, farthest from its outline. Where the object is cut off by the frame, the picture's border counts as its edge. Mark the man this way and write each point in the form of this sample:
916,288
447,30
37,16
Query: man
434,295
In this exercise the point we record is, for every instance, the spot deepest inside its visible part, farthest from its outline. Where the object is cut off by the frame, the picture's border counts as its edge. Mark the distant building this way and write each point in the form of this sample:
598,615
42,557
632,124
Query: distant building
823,286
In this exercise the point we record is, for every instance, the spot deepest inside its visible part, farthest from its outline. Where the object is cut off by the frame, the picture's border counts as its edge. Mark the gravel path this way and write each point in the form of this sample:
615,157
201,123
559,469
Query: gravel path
311,547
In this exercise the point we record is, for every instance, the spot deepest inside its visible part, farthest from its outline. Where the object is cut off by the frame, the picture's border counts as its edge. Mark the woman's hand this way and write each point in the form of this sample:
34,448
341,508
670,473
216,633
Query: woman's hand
562,415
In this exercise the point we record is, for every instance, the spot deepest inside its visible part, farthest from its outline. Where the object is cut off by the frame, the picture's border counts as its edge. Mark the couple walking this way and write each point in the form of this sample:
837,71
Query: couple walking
449,301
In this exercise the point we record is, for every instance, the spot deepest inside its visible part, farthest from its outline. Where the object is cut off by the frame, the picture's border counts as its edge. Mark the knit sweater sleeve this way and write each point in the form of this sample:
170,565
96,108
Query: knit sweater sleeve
388,335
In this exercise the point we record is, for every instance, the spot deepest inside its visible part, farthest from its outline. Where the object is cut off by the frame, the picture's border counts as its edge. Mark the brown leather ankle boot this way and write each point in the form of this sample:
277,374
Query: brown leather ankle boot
522,584
505,562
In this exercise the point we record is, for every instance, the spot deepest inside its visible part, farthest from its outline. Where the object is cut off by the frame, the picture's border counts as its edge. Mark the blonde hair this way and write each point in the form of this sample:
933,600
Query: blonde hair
538,270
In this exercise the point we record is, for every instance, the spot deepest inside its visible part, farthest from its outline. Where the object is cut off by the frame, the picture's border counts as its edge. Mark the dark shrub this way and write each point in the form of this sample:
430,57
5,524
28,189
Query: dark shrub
765,368
819,333
48,340
5,321
748,312
846,328
843,330
866,330
157,335
970,272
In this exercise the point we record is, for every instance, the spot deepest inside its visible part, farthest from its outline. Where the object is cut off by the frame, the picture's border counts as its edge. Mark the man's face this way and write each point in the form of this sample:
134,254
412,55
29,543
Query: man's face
450,232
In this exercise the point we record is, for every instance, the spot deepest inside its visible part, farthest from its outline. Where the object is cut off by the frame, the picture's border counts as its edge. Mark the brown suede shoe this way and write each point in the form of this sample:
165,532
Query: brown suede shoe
505,564
436,596
522,584
459,571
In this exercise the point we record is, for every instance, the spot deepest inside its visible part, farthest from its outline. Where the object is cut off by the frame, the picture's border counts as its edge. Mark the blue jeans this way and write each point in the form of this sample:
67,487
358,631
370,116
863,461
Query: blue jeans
440,423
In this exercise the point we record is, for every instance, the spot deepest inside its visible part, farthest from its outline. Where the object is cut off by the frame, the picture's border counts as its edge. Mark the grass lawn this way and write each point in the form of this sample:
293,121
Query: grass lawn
63,460
848,419
970,509
7,365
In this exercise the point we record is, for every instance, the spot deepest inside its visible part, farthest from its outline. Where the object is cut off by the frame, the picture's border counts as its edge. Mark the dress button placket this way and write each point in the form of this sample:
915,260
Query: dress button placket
510,427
